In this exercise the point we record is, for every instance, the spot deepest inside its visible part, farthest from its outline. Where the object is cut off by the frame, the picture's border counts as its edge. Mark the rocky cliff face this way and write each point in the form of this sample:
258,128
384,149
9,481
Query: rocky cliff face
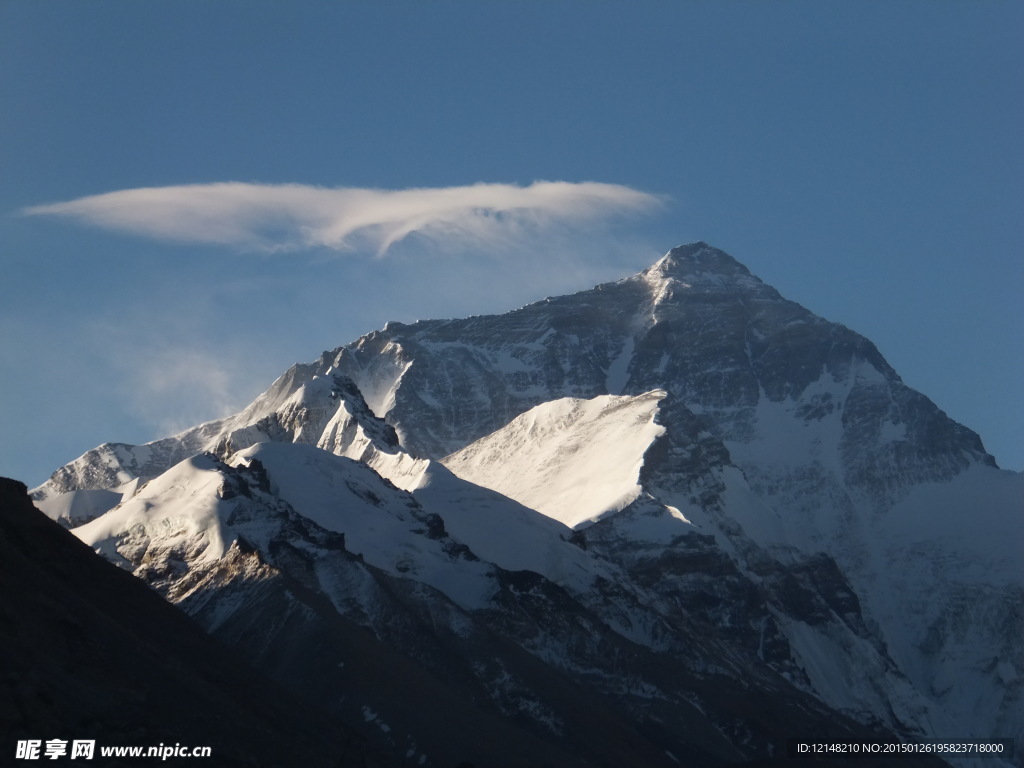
737,495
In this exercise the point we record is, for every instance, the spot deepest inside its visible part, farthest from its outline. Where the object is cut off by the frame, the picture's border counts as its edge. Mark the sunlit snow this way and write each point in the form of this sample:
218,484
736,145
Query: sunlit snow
573,460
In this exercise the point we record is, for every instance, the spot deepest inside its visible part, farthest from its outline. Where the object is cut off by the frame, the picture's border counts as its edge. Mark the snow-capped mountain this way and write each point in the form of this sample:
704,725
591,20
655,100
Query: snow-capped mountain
292,550
715,516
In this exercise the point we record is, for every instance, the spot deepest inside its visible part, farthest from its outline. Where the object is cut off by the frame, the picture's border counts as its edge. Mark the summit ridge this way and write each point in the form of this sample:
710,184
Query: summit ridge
701,268
696,258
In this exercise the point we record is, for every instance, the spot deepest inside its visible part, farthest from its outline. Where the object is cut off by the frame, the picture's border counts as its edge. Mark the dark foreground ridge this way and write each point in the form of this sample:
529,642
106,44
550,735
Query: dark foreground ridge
92,653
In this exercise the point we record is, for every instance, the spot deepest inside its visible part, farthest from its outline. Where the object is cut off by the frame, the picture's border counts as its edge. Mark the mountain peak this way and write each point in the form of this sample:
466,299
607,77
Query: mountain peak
704,268
699,258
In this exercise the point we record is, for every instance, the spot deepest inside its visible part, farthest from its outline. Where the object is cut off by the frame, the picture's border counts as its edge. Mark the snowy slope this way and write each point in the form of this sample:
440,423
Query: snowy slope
191,514
507,533
572,459
399,532
272,552
578,461
181,511
693,551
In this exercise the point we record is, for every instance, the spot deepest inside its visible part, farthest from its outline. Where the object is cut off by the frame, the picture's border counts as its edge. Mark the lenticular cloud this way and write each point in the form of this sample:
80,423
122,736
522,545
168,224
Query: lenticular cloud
291,216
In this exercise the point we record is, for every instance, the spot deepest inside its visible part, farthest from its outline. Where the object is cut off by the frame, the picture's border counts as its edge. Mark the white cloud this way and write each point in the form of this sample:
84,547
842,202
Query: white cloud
290,216
177,387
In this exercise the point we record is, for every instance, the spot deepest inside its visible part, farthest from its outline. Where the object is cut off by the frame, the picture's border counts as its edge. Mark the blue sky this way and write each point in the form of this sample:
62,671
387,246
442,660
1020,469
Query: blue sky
865,158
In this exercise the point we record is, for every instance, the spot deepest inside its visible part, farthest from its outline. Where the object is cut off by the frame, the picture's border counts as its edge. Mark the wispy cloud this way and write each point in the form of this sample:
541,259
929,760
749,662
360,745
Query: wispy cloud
169,383
282,217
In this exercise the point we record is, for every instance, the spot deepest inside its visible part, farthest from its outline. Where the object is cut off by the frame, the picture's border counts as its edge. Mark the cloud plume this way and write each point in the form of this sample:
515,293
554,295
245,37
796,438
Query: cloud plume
263,217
